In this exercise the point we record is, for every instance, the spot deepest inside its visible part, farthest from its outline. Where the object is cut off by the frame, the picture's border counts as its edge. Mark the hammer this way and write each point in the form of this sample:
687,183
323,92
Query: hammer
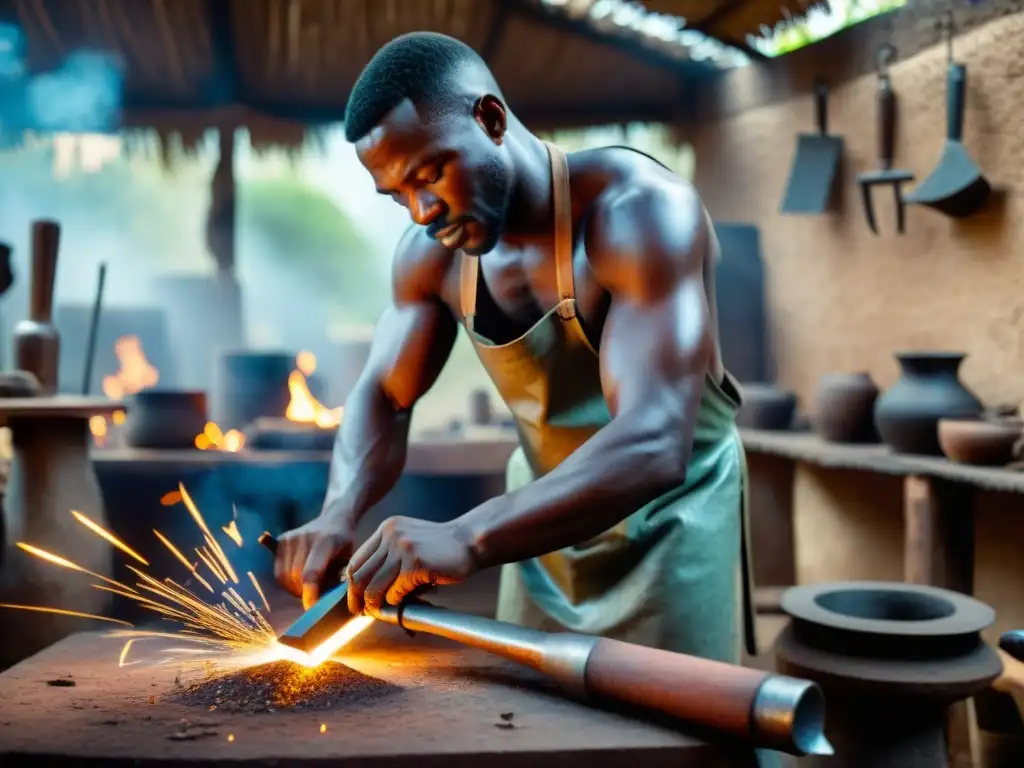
768,710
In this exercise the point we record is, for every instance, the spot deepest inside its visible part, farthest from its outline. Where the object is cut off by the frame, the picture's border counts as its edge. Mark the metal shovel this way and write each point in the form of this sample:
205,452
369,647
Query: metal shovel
814,168
956,186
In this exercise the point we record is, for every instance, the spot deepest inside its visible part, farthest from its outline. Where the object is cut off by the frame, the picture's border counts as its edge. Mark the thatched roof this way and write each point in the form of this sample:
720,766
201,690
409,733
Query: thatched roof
731,21
269,64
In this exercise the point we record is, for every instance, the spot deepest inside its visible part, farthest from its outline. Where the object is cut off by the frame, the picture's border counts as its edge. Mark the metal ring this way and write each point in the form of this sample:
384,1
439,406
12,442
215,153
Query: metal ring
884,56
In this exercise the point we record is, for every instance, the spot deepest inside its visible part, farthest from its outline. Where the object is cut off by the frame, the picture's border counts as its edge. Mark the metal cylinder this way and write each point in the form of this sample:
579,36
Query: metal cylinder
773,712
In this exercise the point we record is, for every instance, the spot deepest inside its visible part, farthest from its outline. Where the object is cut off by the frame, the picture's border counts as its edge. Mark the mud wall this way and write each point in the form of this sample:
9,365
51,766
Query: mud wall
843,299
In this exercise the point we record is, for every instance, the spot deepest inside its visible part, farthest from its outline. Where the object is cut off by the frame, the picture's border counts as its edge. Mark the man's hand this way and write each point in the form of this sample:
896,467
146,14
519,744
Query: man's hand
403,555
309,555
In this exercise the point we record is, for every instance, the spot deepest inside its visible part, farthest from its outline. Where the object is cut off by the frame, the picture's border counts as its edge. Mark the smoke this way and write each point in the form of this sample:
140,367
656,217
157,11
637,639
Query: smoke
83,95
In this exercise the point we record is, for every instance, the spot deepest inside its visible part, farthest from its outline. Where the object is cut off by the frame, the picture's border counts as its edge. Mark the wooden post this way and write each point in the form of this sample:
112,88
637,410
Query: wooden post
939,537
939,552
771,519
221,236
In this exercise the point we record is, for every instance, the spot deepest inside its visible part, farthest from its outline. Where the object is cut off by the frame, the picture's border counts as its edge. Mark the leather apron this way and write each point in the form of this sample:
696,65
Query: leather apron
674,574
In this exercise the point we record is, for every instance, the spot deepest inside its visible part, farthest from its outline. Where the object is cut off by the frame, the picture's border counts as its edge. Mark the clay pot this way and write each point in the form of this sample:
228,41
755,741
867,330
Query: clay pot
987,442
907,415
846,406
766,407
251,385
51,474
165,419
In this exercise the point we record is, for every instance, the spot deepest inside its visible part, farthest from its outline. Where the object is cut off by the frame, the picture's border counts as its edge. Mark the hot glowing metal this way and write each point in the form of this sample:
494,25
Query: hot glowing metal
232,632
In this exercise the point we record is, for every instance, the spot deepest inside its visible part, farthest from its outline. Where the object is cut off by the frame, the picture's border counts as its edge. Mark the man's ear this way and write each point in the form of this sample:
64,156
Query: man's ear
491,115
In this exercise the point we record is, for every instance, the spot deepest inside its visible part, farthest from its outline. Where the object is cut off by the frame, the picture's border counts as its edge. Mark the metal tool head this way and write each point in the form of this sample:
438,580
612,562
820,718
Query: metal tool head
321,621
891,177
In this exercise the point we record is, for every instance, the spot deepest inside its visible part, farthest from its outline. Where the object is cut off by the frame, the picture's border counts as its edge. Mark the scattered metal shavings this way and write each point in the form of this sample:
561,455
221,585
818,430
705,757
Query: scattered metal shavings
193,735
283,685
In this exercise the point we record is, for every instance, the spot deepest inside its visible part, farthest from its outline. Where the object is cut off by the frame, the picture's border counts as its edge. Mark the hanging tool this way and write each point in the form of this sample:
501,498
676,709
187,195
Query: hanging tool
886,175
956,186
814,169
763,709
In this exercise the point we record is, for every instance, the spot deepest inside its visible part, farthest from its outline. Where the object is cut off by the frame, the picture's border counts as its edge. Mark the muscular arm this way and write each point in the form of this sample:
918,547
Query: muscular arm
647,248
411,343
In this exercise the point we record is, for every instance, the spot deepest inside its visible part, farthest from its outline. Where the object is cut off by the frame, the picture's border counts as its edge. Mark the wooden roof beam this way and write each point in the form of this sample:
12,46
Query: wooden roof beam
224,85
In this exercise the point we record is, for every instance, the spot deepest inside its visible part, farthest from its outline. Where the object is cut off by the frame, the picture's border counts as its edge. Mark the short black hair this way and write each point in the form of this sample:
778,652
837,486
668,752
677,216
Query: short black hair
418,66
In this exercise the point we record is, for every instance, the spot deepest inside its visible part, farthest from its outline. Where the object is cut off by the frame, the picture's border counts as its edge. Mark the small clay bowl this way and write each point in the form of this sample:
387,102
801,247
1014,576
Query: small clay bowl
987,442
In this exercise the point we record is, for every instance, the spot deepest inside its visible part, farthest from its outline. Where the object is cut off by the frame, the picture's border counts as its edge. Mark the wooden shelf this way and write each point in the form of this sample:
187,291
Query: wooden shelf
809,448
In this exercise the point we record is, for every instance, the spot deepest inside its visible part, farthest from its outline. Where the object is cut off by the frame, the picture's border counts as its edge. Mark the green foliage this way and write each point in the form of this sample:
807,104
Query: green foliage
819,24
303,228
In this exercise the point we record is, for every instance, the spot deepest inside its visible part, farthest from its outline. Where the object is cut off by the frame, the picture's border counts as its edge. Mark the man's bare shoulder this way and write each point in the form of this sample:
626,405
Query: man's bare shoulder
421,267
645,226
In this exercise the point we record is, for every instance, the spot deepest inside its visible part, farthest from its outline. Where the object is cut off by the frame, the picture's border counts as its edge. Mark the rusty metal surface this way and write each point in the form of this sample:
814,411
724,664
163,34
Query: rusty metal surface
448,713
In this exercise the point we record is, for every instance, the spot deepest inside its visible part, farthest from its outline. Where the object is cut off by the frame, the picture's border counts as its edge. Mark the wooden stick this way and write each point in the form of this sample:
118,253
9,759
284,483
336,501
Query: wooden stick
94,324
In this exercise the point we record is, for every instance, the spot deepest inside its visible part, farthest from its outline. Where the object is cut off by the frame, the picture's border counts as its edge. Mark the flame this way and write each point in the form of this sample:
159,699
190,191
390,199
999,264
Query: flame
213,439
233,631
98,427
135,373
302,406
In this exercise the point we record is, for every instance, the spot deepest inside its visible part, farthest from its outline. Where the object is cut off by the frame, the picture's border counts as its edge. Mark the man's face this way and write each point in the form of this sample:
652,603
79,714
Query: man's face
450,173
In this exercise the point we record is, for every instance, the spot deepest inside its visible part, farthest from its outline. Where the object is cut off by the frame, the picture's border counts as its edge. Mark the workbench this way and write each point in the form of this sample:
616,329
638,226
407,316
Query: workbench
448,713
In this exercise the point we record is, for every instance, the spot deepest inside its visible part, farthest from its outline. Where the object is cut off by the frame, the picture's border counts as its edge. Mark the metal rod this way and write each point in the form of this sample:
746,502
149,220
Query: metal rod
94,324
770,711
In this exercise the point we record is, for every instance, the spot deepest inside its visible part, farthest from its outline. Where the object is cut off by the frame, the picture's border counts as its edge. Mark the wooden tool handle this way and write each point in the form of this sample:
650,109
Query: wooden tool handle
45,246
821,105
956,91
886,122
720,696
269,542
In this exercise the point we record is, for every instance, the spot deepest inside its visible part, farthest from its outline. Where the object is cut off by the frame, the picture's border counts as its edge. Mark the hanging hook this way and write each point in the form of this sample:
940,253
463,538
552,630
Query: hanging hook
884,56
948,30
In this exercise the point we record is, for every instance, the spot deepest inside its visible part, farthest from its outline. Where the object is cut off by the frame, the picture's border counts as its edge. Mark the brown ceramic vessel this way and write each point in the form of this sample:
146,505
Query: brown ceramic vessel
846,407
765,406
986,442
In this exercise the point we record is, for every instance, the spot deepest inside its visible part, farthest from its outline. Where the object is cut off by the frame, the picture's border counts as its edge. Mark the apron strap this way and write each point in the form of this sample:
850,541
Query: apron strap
468,275
563,232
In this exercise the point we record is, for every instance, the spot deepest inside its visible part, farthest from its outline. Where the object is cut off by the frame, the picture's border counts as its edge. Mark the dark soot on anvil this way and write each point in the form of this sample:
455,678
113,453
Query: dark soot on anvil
283,685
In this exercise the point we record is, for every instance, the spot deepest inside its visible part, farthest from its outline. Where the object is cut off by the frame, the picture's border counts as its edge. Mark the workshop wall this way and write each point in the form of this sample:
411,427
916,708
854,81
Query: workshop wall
842,299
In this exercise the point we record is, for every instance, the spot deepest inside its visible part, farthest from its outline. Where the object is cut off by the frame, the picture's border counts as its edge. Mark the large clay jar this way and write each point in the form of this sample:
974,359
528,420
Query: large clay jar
846,405
907,415
51,474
